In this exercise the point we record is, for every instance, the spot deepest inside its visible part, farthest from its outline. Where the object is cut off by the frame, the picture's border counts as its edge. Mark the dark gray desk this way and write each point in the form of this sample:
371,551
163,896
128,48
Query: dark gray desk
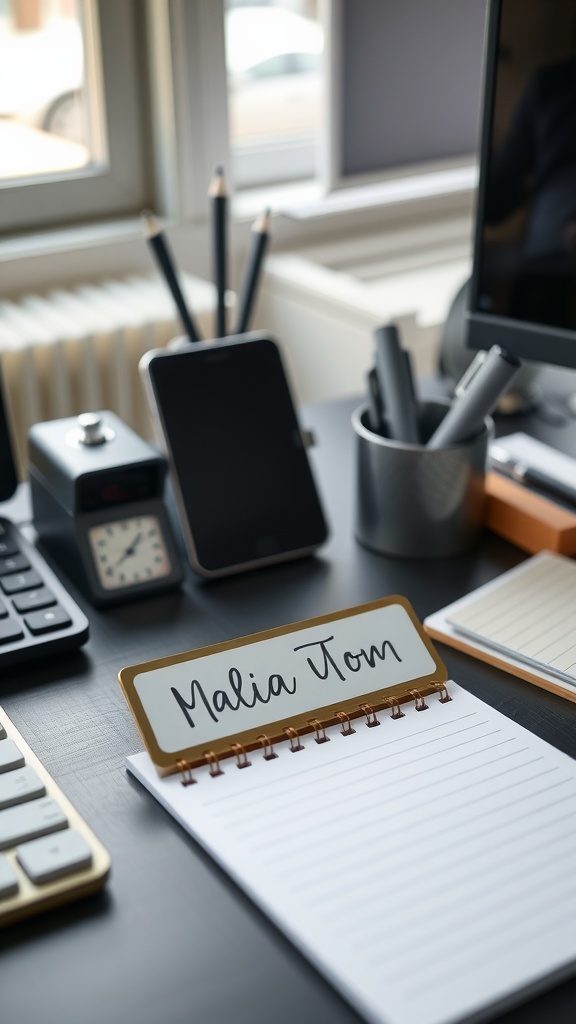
171,939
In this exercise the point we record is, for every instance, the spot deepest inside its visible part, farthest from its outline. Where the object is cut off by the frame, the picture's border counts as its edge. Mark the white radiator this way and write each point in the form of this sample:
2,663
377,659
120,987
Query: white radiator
77,350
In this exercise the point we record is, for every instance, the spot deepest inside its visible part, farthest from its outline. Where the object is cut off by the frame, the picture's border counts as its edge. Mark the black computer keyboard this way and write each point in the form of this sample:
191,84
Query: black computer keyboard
37,614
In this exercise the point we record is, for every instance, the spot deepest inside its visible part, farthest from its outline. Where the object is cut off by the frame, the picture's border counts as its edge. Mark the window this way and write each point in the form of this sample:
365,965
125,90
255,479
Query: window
171,88
274,59
71,138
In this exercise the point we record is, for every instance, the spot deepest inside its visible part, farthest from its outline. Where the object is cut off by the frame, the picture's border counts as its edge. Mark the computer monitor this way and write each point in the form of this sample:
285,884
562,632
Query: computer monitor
523,288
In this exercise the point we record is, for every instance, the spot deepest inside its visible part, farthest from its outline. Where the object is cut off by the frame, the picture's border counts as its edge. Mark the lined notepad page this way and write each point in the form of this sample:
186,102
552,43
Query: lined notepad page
530,613
425,866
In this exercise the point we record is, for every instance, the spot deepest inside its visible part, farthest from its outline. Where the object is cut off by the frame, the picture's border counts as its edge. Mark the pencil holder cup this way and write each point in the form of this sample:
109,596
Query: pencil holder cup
419,502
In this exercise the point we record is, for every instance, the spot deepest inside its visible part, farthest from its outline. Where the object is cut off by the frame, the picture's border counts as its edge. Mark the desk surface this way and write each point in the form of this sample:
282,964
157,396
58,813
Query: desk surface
171,938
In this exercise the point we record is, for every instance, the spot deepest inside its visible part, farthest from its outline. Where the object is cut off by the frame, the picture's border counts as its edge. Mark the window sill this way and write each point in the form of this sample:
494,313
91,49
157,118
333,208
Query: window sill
307,200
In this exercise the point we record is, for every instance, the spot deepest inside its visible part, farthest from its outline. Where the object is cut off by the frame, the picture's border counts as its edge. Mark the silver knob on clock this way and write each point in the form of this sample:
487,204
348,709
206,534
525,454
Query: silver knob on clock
91,430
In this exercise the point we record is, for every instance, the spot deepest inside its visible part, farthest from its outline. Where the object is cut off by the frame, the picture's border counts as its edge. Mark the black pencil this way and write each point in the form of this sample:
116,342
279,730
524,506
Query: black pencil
259,237
159,247
219,196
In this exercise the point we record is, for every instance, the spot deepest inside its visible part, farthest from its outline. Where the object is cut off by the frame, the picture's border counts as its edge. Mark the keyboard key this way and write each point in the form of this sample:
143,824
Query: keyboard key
14,563
29,821
7,547
46,621
8,880
48,852
20,581
31,599
54,856
18,786
28,585
10,756
10,630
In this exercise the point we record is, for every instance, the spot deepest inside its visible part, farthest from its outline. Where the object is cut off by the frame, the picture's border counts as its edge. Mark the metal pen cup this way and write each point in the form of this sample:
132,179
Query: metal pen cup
418,502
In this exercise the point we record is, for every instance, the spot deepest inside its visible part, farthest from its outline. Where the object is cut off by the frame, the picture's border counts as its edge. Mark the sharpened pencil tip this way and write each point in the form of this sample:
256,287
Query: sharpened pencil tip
262,222
150,224
218,188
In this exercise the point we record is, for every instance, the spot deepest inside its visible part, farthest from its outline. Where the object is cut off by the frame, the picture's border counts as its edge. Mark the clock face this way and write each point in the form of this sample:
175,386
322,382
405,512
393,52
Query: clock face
129,552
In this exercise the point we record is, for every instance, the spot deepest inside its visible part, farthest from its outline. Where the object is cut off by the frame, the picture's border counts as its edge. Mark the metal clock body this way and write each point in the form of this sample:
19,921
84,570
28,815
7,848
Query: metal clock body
97,499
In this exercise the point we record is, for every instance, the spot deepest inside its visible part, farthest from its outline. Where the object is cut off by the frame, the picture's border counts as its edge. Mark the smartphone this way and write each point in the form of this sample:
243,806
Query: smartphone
241,474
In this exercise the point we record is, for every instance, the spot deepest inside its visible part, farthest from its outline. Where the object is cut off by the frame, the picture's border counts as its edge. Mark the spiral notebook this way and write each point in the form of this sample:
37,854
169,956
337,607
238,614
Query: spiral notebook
416,845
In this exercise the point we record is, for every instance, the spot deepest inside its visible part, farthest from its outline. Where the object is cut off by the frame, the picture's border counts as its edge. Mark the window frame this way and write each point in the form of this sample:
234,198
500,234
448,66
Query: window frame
113,183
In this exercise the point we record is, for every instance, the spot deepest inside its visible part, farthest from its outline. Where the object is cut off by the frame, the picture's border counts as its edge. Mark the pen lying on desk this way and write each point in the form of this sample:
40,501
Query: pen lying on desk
529,475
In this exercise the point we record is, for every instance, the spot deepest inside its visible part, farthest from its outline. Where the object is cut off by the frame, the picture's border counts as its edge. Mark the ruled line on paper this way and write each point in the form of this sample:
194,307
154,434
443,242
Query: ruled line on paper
420,788
293,779
500,946
528,614
511,884
286,845
369,784
368,917
340,856
297,799
410,861
356,816
268,816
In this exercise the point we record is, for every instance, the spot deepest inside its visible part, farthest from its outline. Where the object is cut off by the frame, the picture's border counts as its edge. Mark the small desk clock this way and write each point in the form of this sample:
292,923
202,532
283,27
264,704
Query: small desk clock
97,500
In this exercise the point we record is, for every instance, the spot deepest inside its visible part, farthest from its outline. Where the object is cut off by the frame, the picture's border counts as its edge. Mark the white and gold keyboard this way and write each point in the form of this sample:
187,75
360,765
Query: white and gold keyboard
48,855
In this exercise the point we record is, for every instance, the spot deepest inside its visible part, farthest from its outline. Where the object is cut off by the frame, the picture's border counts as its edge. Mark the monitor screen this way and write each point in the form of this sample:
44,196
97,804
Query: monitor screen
8,479
523,293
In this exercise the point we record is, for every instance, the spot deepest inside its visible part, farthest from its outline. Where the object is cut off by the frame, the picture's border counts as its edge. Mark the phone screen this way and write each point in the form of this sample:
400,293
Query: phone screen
236,448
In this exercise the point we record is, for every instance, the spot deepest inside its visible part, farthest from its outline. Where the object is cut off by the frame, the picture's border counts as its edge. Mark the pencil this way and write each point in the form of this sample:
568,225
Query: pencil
259,237
219,196
159,247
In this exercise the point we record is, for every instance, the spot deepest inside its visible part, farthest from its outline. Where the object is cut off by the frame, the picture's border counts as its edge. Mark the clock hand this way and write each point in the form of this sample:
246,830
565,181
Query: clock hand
130,550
